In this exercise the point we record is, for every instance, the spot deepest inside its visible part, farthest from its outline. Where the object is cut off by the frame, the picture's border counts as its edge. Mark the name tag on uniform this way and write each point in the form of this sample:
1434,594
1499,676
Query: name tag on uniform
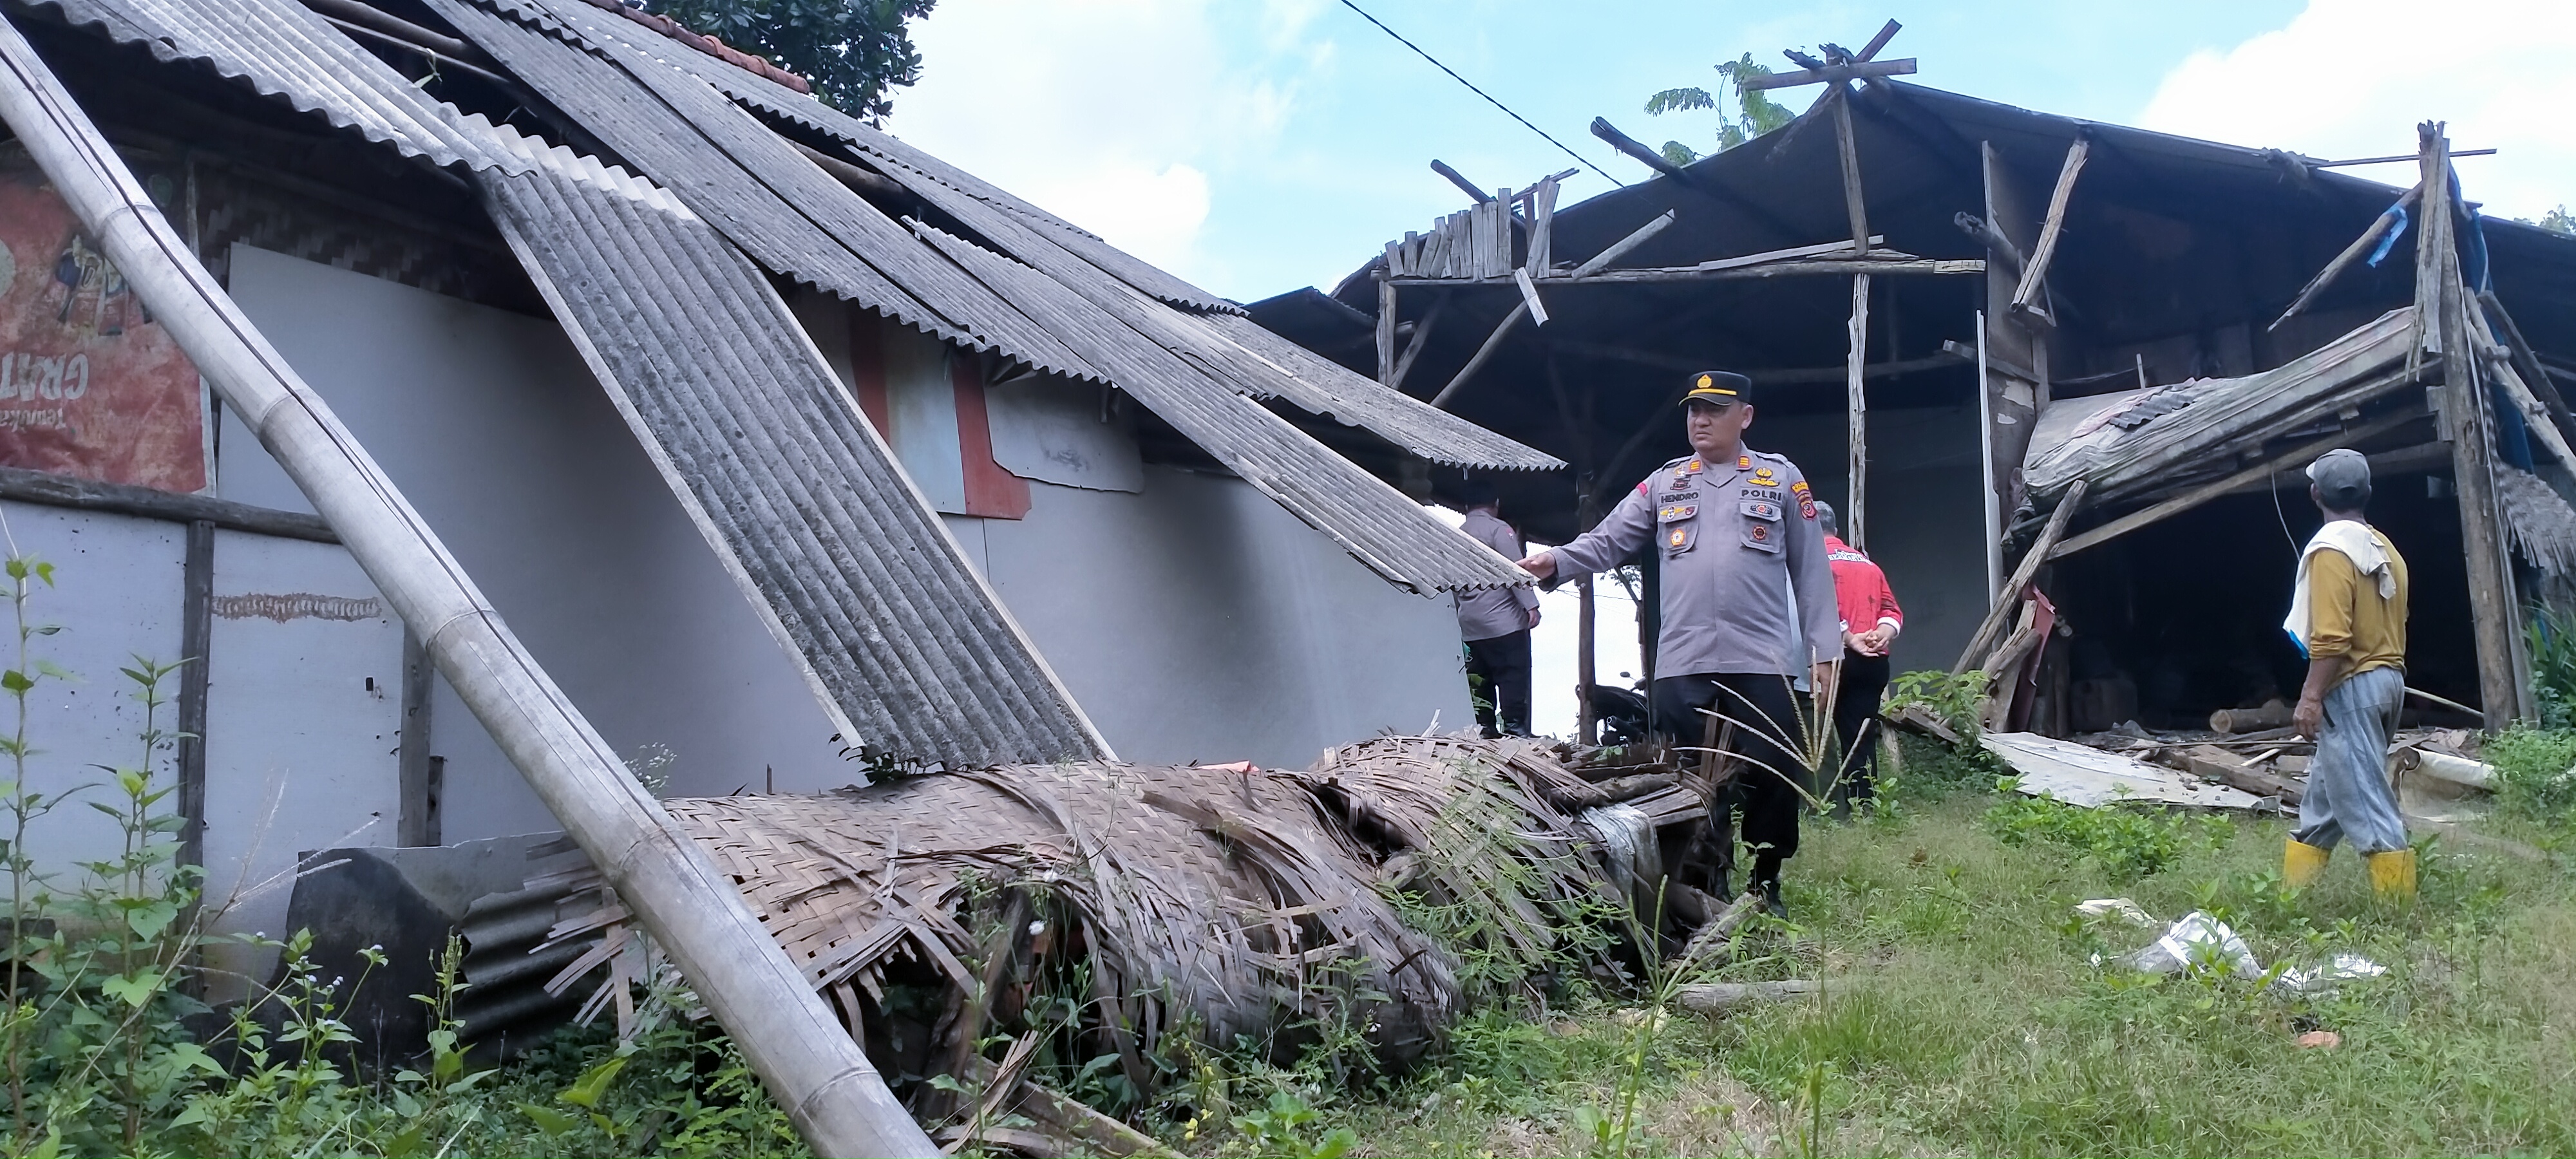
1676,512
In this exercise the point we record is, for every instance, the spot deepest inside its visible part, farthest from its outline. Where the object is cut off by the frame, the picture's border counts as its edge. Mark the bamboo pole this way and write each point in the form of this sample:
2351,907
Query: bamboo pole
2352,253
2035,271
2008,599
801,1052
1986,464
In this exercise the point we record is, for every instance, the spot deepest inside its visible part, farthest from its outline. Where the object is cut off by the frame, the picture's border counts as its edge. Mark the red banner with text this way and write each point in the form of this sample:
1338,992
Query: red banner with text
90,385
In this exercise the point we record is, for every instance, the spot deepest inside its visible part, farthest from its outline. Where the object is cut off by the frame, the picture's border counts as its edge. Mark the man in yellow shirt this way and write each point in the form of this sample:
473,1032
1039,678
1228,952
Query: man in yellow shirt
2348,613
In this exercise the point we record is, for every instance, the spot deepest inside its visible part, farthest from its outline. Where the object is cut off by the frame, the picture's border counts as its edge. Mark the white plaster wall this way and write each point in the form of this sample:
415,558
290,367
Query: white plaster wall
496,432
303,721
1197,621
115,596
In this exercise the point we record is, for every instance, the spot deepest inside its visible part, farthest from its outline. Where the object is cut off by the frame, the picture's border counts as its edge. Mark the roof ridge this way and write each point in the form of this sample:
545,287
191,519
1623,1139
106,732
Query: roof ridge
709,44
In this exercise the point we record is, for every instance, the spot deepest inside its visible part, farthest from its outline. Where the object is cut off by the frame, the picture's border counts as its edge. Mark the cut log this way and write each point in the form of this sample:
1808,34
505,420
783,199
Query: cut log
1709,944
2273,714
2222,766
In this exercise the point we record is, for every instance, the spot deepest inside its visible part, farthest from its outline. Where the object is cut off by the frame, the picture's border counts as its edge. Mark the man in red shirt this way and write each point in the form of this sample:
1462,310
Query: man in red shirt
1871,621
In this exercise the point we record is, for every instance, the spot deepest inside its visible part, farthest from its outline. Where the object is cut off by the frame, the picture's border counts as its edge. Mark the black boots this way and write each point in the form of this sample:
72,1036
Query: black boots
1769,888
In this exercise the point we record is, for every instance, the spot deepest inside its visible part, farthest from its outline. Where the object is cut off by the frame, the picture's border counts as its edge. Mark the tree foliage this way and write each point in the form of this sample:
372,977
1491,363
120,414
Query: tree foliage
1756,112
855,52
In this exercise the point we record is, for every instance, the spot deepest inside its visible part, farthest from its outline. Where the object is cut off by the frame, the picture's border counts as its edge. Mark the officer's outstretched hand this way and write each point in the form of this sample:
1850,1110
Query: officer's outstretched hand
1542,565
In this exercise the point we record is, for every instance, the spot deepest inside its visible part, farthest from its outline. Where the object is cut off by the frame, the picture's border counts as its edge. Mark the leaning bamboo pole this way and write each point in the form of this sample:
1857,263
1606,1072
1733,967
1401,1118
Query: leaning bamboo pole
800,1050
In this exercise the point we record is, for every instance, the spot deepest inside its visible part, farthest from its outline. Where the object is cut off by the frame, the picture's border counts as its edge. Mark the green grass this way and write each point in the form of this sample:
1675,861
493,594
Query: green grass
1976,1022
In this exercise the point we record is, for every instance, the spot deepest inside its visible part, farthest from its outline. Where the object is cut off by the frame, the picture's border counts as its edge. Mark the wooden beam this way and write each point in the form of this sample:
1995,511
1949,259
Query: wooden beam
1803,251
1869,51
2526,360
1413,348
1856,416
1857,70
2036,270
1636,150
1840,267
1773,377
2534,414
1542,237
1458,179
1493,342
2009,599
28,486
2439,302
1849,152
2395,159
2216,488
2352,253
1620,248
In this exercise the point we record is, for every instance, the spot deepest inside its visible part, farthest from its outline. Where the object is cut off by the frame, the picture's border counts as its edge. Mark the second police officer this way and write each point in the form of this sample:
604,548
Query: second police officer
1748,606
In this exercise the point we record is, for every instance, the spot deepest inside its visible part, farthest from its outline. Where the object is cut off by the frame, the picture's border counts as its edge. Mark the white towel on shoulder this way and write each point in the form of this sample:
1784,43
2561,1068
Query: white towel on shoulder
2359,544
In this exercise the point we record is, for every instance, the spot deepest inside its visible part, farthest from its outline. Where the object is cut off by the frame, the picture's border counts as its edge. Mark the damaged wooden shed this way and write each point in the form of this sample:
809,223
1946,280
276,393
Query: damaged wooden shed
1958,312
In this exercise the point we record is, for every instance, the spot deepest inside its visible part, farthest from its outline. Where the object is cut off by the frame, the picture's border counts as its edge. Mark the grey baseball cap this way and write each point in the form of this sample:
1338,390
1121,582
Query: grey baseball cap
2340,470
2341,475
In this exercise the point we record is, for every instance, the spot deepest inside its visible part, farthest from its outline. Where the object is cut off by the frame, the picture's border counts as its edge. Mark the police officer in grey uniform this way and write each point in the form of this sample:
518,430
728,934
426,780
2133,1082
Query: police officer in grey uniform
1748,606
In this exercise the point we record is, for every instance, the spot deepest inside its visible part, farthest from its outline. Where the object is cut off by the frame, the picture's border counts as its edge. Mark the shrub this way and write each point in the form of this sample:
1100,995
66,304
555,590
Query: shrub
2129,843
2536,771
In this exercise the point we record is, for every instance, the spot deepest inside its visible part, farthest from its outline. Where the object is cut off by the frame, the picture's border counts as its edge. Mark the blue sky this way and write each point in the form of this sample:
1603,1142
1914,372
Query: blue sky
1254,146
1258,145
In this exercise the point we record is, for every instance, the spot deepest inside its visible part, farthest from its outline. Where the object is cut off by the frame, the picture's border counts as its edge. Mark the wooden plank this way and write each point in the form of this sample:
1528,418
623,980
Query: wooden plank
2379,226
1856,414
2008,600
2036,270
1714,998
2440,298
1499,237
1413,348
1529,297
1783,376
1386,329
1803,251
1857,70
1616,250
50,490
1869,51
416,820
2294,457
1849,152
2222,766
1542,227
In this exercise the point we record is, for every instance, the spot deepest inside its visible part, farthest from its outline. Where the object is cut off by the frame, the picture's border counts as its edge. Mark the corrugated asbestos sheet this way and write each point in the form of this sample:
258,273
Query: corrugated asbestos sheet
1372,521
750,182
792,488
1211,331
282,50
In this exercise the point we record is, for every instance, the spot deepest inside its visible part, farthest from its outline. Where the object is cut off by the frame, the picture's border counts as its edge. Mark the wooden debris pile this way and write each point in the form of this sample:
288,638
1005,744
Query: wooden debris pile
1111,914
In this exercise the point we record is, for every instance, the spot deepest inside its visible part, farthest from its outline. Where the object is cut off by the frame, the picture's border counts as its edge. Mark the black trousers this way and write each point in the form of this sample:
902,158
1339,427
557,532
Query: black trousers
1503,663
1765,711
1864,682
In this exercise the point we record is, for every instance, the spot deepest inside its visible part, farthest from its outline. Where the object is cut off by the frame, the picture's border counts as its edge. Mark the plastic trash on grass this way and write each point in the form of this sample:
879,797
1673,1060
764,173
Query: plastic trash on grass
2198,943
2116,907
2320,979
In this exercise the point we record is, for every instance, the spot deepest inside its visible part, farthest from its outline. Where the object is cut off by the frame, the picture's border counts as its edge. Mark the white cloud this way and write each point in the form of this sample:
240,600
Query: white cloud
2350,78
1108,113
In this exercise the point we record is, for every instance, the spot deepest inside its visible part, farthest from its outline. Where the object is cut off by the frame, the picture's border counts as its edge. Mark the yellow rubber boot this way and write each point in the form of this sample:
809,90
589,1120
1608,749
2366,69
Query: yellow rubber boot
2392,875
2302,864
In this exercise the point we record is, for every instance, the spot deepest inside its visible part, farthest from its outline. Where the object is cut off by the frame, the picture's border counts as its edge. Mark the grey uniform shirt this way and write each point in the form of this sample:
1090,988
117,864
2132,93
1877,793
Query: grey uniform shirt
1494,611
1737,539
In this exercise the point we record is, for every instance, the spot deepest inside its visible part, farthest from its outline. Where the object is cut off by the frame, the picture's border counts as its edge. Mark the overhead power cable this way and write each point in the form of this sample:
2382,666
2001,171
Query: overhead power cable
1471,87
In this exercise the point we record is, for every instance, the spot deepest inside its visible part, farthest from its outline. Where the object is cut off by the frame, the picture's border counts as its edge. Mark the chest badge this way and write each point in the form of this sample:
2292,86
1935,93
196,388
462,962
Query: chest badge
1676,512
1761,533
1680,538
1765,477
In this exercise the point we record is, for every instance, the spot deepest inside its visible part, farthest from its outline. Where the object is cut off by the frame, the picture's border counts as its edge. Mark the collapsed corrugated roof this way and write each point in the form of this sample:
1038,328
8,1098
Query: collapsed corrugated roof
1209,329
2128,443
786,480
286,52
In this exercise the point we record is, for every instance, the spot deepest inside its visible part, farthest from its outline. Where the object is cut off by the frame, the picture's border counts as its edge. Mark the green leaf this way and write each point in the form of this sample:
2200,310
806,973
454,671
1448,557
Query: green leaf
593,1083
1677,100
548,1119
45,572
133,989
149,920
1336,1143
15,681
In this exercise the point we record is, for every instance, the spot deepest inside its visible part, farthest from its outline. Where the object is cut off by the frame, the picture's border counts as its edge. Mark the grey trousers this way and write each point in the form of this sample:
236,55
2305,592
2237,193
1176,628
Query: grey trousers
2348,791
